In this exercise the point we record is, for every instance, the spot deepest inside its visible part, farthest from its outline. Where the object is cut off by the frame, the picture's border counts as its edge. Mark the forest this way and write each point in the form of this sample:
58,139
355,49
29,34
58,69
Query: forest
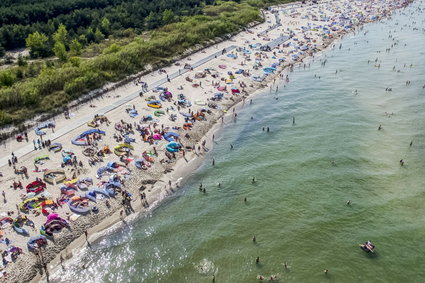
83,18
45,86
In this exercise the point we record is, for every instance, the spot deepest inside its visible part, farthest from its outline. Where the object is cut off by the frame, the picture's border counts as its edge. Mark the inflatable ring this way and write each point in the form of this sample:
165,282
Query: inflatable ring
122,149
89,152
55,147
158,113
54,175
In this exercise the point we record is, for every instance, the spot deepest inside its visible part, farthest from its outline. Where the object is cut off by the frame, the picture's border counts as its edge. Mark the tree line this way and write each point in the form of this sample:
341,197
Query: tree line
85,19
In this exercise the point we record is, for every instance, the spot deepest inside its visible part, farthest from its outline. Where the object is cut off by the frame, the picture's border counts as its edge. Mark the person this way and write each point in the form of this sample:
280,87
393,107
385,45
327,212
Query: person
379,128
231,146
257,260
293,120
325,271
254,239
369,246
348,202
253,180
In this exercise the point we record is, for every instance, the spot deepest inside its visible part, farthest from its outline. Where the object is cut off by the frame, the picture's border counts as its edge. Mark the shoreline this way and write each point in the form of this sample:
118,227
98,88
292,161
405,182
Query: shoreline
180,173
116,222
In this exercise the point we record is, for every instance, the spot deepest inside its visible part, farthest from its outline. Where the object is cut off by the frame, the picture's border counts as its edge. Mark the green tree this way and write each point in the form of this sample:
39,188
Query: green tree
19,74
21,61
105,26
98,36
7,79
2,51
60,51
83,40
113,48
61,35
90,35
152,21
168,16
38,45
75,47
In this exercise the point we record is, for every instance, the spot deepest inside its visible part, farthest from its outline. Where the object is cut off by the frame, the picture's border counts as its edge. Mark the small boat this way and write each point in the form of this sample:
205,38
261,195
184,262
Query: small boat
367,247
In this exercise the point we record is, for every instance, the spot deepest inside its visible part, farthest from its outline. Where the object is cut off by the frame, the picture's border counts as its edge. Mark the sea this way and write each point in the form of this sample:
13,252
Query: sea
358,137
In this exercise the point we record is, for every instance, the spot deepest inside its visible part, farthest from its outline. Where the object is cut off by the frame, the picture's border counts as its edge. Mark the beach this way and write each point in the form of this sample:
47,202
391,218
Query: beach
215,78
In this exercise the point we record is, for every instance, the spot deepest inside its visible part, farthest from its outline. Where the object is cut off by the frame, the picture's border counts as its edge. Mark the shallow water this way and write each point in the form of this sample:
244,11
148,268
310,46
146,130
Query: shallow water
305,174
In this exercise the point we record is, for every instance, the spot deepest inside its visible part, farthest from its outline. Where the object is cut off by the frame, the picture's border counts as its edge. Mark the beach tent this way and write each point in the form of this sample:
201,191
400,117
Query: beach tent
80,139
170,136
38,130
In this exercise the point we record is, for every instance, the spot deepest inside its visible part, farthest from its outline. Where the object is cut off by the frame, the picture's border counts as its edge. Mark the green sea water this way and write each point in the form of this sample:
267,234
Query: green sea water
305,174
